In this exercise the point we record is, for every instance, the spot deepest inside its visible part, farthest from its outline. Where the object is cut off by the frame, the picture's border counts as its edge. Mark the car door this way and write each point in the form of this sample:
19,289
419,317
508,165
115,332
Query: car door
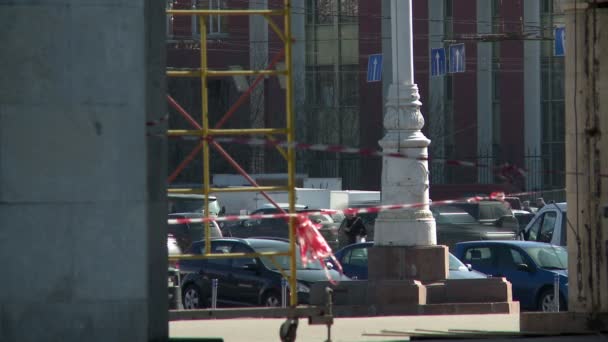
216,268
246,280
510,261
543,227
354,262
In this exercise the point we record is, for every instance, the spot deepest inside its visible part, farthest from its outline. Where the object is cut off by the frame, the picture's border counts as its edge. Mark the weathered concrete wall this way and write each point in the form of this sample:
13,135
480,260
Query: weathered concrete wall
587,155
81,202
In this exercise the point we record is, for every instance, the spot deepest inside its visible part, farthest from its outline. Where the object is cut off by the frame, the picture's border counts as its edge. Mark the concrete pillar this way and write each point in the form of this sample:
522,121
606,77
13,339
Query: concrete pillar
404,180
437,104
485,93
587,154
532,97
82,197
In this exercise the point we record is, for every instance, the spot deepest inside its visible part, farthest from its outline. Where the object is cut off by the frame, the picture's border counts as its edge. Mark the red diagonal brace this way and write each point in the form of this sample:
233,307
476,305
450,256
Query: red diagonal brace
226,116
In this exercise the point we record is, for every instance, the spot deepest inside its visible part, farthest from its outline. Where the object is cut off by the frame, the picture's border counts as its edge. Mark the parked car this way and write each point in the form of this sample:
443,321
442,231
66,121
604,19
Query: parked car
245,281
531,268
193,203
353,259
186,233
173,272
523,218
455,225
549,225
487,211
278,227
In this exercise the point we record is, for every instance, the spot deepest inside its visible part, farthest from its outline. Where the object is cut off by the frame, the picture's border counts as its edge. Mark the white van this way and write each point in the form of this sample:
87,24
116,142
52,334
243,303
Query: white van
548,225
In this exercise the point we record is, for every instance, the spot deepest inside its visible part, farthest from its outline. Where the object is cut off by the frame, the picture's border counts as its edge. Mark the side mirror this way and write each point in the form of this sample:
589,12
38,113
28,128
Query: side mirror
524,268
469,267
329,265
223,210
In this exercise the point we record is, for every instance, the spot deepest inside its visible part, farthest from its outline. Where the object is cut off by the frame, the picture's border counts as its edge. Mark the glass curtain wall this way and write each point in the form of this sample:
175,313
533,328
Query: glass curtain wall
552,103
332,81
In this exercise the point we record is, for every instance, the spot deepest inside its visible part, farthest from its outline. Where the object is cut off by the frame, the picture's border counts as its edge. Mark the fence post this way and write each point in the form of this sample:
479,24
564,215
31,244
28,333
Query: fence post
284,292
556,293
214,293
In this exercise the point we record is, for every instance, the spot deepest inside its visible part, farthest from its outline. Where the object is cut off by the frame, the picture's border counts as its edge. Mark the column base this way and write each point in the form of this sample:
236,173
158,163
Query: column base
424,263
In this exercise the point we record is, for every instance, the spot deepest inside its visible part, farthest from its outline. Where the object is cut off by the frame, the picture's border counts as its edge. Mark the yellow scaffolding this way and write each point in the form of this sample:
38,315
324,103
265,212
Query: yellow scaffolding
289,131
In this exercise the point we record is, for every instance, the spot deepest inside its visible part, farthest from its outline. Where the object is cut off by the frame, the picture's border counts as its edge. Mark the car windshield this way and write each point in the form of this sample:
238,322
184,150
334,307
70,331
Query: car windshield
456,265
549,257
283,260
192,205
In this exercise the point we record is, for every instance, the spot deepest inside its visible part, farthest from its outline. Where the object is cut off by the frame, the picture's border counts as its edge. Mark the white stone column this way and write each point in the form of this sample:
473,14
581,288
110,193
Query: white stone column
404,180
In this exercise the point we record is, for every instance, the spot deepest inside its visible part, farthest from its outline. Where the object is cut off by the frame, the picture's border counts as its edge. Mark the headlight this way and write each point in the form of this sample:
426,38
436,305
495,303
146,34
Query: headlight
302,288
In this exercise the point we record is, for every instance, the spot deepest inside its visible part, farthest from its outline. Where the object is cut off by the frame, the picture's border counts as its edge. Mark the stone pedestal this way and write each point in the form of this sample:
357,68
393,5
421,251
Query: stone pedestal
424,263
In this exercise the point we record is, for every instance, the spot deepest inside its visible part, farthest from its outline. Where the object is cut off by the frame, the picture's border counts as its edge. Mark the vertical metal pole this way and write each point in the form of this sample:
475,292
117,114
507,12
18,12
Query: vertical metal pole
556,293
214,293
291,160
205,121
283,292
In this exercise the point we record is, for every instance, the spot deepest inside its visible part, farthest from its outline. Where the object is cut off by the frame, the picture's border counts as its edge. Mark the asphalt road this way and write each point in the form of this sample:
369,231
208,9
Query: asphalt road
344,329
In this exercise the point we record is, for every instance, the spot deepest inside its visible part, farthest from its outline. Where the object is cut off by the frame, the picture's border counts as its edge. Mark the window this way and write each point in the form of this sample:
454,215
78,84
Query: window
516,257
325,11
349,10
533,231
479,256
218,248
238,263
547,227
356,257
216,24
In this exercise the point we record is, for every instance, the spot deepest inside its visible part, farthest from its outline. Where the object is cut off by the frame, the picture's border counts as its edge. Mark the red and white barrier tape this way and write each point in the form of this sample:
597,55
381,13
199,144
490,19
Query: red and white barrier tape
353,211
506,170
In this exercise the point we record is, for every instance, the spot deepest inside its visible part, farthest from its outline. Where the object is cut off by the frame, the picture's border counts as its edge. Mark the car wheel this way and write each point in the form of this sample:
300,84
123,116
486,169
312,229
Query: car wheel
192,298
272,299
545,301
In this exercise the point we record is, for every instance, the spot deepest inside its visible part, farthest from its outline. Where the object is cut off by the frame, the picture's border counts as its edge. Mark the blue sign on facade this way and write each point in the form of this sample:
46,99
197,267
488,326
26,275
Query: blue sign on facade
438,62
457,58
374,68
560,42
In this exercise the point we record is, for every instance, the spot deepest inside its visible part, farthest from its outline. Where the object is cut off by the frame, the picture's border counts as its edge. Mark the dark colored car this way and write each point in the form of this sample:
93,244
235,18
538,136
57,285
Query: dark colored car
245,281
531,267
193,203
488,211
186,233
353,259
278,227
455,225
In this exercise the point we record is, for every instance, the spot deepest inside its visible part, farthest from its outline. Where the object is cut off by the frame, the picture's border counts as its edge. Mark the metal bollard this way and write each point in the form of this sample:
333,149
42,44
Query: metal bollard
214,293
283,292
556,293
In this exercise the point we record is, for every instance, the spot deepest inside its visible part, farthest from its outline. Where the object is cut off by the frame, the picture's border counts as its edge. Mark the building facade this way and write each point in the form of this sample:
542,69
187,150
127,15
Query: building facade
505,108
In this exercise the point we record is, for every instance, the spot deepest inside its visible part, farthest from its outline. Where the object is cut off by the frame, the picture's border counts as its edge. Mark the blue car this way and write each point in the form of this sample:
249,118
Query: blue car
353,259
531,267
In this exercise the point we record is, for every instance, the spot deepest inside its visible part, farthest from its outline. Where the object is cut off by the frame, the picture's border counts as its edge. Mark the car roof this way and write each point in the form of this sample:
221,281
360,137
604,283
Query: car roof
518,243
282,206
253,242
190,196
